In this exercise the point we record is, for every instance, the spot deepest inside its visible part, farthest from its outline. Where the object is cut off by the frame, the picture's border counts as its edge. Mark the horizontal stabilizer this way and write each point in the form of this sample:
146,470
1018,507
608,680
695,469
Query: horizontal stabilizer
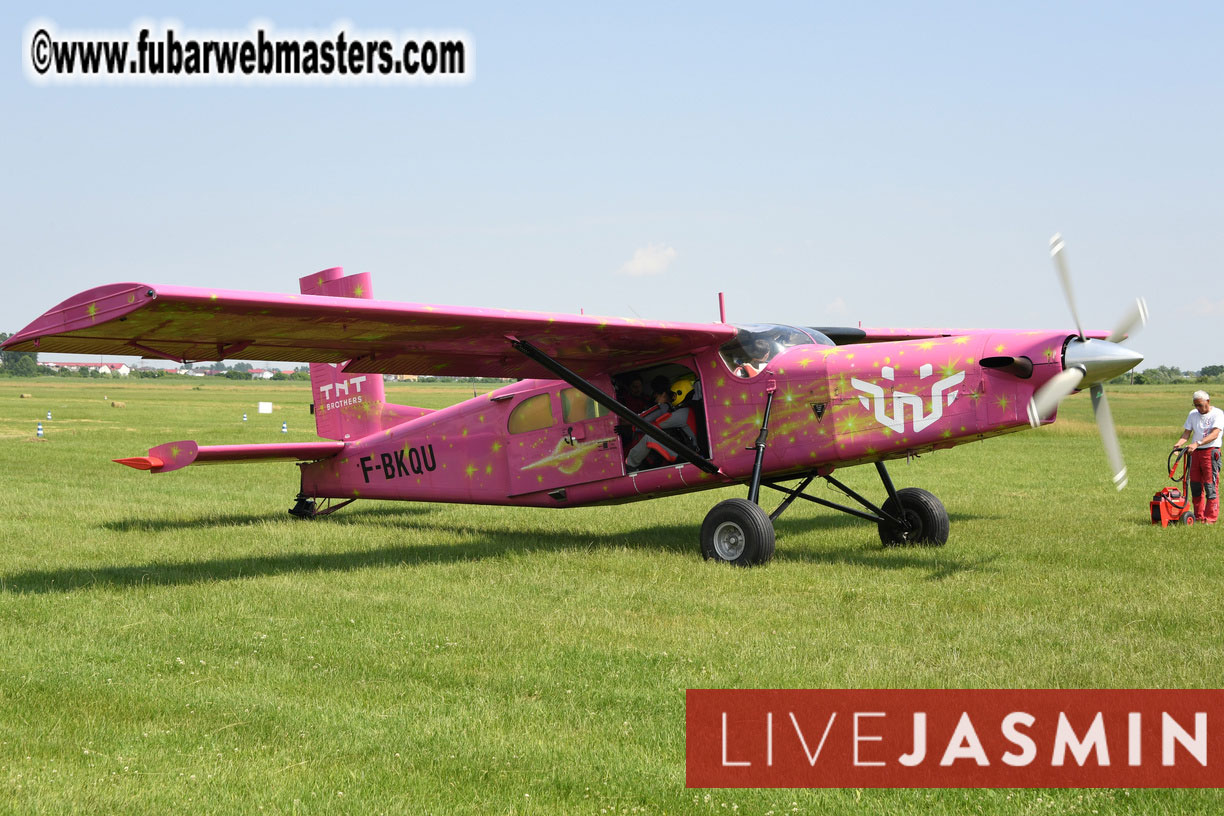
177,455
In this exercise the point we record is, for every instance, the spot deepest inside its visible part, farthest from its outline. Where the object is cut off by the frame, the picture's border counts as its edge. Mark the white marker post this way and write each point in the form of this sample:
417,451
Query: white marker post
284,427
244,417
40,431
48,415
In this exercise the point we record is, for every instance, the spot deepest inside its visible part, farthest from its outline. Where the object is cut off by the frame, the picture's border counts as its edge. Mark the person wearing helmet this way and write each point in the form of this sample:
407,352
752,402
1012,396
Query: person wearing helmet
675,416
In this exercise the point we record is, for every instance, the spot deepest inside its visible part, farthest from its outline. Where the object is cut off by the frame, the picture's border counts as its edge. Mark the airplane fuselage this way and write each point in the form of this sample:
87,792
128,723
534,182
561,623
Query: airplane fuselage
833,406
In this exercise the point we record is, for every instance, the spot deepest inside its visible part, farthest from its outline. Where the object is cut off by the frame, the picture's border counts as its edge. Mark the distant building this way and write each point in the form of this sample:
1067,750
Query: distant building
117,369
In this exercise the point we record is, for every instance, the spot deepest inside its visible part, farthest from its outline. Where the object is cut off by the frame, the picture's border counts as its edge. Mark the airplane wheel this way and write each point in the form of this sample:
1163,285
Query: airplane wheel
924,514
737,531
303,508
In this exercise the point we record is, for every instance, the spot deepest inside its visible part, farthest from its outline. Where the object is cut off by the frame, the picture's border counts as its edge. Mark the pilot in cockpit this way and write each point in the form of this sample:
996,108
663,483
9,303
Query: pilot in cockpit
757,353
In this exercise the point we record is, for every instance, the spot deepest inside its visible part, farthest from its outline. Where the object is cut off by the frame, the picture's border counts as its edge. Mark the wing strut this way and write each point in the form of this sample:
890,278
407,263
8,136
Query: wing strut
685,452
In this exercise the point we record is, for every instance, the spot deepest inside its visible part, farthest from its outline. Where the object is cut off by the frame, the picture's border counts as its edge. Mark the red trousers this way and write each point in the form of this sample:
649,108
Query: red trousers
1205,484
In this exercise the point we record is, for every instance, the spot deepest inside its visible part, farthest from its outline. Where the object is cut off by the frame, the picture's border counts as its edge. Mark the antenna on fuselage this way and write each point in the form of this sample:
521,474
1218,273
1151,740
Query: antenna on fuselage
722,309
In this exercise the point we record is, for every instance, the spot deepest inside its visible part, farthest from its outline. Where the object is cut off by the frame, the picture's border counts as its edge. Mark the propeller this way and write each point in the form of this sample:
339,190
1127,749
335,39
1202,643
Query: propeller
1059,387
1109,436
1091,361
1064,277
1136,318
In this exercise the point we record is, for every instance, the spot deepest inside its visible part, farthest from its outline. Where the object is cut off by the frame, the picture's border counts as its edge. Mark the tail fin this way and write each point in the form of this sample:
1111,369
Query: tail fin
349,405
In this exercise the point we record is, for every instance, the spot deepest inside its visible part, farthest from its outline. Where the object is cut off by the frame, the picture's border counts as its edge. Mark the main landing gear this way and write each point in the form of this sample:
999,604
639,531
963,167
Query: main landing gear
739,532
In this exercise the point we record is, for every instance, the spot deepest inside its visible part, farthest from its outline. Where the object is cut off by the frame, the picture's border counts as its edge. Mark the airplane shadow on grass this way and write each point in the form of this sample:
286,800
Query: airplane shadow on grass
478,543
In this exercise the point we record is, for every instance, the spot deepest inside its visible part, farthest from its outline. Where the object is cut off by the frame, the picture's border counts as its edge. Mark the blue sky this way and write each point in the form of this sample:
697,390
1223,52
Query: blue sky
823,164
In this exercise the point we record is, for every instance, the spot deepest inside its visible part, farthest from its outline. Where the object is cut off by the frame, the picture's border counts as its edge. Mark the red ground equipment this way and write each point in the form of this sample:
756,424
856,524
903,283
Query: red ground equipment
1170,505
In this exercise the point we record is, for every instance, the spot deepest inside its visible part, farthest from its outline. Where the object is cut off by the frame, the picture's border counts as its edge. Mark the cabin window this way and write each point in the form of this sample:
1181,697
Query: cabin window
532,414
577,406
755,345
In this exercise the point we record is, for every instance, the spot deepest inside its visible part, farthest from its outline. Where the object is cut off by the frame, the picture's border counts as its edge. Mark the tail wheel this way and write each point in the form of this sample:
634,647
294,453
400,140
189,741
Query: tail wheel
737,531
925,521
304,507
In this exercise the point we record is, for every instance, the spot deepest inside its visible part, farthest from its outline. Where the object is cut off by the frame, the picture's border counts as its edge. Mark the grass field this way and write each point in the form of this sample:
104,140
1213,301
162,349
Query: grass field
178,644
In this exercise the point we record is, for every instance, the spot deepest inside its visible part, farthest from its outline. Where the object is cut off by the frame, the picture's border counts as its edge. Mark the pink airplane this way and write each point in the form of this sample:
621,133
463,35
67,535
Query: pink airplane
767,404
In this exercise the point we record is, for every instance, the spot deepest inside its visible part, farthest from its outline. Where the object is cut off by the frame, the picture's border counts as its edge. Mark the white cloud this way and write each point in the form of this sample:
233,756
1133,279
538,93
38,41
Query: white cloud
649,260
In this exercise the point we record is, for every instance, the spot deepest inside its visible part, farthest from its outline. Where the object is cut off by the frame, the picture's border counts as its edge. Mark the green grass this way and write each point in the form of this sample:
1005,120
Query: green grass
177,643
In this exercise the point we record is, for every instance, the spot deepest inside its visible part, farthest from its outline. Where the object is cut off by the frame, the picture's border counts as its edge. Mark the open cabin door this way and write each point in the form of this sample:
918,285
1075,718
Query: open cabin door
561,437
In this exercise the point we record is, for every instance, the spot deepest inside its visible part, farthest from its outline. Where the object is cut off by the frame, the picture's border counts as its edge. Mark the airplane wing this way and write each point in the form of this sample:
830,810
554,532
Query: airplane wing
845,335
189,324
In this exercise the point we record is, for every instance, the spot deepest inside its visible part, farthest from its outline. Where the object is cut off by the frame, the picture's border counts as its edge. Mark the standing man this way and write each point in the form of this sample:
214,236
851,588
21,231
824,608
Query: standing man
1203,429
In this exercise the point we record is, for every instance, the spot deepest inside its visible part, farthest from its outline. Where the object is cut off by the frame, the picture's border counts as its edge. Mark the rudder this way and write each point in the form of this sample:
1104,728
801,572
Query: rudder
349,405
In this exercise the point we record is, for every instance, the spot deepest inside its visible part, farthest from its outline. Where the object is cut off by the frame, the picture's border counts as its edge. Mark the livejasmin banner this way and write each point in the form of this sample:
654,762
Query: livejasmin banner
955,738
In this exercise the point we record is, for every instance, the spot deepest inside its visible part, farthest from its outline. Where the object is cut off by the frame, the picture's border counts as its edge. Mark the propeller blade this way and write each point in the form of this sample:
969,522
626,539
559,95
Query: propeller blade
1109,436
1064,277
1135,319
1046,400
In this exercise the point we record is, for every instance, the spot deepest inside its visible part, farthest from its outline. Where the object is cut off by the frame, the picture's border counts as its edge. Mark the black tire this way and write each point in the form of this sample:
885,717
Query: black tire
924,514
1188,518
303,508
738,532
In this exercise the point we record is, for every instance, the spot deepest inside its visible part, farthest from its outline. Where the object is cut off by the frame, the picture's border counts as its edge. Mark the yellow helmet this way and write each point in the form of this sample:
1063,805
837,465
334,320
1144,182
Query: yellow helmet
681,390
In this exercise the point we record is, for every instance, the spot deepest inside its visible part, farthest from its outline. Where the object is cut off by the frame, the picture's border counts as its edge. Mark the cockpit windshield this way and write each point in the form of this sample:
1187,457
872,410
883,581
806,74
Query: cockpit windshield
755,344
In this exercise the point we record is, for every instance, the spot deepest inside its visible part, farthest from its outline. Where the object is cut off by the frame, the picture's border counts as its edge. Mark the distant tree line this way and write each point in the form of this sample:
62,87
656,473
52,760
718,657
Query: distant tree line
1167,375
18,363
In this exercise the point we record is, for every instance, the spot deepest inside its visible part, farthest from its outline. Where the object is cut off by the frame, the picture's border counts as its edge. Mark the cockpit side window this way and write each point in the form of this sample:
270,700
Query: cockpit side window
532,414
756,344
577,406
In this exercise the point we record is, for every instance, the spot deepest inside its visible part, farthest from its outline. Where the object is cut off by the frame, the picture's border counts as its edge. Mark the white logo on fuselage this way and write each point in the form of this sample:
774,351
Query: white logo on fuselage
342,388
900,399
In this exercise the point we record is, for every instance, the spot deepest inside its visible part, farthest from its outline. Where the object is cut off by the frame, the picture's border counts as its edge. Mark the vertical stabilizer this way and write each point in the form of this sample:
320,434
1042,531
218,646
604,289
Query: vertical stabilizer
349,405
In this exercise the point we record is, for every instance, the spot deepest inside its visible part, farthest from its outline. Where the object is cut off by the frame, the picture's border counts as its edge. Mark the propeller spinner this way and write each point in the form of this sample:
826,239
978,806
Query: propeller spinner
1090,362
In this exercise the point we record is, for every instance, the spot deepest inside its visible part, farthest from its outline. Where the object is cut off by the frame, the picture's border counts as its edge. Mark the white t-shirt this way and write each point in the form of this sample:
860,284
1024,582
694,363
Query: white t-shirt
1203,424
